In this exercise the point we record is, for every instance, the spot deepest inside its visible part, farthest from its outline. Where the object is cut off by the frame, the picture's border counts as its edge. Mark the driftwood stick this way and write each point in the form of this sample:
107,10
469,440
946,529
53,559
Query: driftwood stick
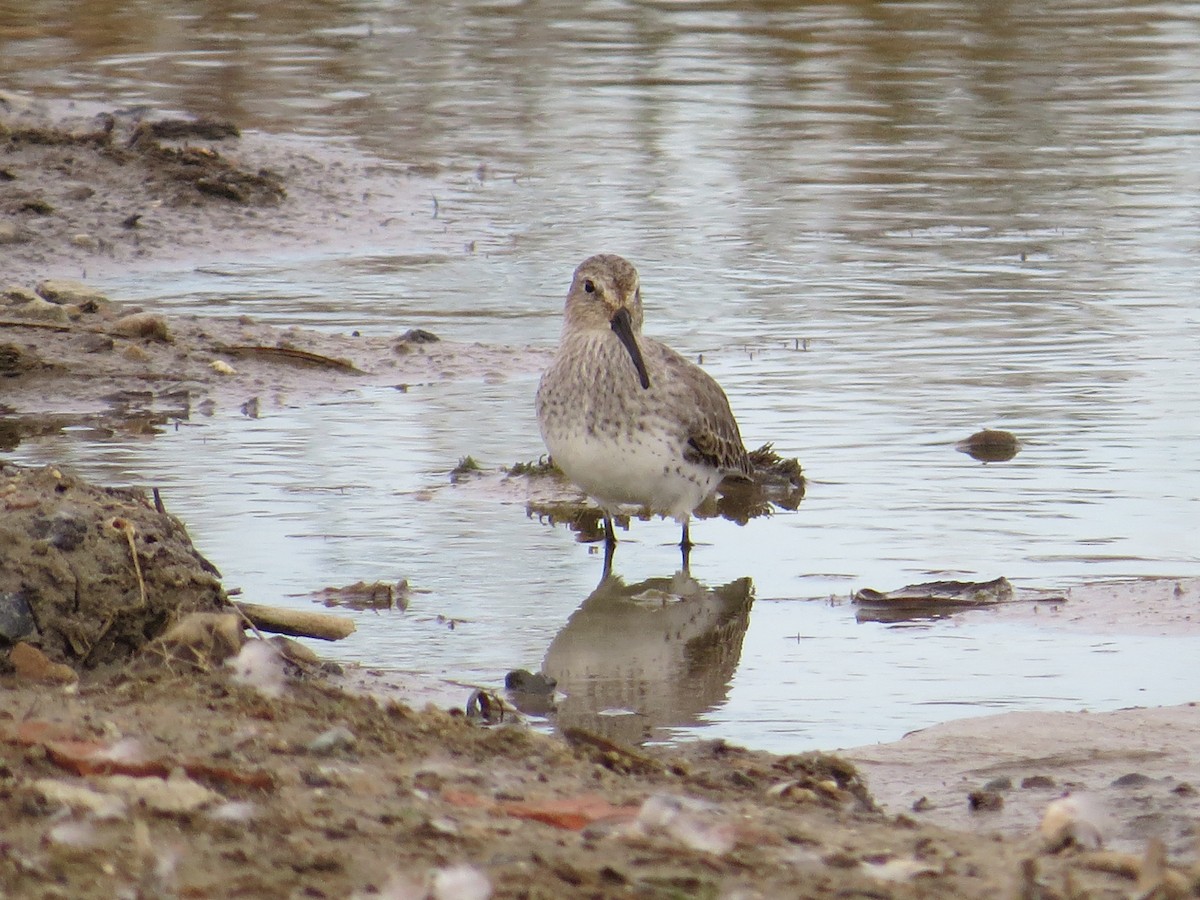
296,622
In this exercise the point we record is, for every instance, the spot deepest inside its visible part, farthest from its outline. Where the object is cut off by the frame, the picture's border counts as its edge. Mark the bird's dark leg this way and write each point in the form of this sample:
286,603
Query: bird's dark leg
610,546
610,533
685,543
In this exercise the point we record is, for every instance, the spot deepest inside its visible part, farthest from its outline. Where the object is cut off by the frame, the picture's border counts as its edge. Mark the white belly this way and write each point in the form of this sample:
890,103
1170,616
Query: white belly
644,471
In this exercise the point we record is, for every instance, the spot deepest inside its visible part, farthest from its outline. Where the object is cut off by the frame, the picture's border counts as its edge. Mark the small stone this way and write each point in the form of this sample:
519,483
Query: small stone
1039,782
1133,779
32,664
16,618
67,290
150,326
222,368
1003,783
134,353
84,241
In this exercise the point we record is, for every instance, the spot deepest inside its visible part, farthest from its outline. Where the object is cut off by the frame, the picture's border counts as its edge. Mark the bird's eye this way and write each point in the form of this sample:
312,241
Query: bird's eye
589,285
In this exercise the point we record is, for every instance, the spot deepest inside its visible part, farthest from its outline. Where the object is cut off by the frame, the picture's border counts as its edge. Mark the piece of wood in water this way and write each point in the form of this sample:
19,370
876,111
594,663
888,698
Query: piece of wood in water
296,622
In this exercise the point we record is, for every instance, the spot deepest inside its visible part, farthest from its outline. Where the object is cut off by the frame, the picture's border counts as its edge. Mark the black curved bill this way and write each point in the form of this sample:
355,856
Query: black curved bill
623,326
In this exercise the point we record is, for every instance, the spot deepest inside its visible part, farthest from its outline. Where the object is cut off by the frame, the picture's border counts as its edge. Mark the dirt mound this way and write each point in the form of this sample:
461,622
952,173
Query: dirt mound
91,574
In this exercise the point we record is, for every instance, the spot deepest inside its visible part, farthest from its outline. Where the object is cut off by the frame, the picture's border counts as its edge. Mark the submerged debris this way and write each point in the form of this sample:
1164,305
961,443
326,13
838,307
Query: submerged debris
363,595
929,599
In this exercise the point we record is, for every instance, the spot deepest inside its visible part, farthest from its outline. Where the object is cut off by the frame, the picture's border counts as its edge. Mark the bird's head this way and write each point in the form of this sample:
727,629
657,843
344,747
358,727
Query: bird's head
605,293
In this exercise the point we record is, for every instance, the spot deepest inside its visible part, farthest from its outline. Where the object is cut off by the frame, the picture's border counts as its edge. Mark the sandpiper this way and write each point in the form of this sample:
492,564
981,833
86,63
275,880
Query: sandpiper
626,418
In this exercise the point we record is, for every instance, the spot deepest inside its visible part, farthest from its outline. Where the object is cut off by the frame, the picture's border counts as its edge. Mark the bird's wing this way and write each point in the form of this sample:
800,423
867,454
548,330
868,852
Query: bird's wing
712,432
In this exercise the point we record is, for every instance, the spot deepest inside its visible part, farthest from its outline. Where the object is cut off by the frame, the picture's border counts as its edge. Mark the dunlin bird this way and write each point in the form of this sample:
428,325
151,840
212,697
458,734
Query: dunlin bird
628,419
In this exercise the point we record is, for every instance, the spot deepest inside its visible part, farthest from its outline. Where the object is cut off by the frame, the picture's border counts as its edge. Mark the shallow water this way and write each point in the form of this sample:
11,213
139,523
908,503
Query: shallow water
882,226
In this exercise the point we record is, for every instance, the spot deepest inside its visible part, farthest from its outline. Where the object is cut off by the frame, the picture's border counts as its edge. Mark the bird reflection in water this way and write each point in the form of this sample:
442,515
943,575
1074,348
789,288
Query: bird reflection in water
656,654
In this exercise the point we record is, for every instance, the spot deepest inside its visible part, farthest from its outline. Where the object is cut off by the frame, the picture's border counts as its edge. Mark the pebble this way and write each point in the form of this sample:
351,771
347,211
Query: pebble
16,618
151,326
1133,779
32,664
67,290
85,241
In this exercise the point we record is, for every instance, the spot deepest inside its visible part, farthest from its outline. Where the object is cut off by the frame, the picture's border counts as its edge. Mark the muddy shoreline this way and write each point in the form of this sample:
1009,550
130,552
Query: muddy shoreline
287,808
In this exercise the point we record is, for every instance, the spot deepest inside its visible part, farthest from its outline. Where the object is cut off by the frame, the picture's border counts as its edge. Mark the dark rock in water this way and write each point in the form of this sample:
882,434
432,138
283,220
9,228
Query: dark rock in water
990,445
16,618
1133,779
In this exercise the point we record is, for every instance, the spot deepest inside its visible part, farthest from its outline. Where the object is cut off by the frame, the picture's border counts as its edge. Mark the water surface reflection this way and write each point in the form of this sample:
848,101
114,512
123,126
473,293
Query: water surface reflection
635,658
